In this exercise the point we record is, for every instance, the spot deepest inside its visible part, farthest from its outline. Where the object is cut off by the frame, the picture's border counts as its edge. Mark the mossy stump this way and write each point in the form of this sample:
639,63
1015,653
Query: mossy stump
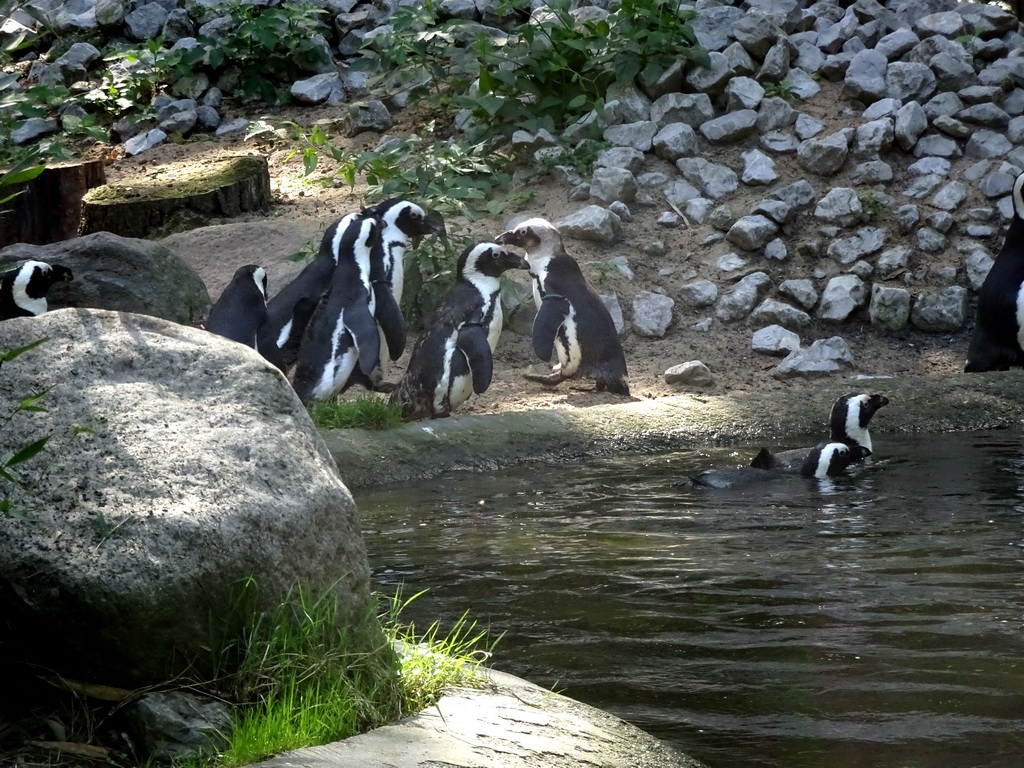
48,208
138,206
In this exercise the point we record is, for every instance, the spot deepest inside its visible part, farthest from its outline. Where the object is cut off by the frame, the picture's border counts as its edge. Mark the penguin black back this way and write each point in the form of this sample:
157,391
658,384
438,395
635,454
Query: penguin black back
23,289
998,340
241,310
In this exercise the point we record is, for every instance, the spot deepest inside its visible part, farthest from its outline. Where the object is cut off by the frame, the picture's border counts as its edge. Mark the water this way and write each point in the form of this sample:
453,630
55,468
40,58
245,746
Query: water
872,621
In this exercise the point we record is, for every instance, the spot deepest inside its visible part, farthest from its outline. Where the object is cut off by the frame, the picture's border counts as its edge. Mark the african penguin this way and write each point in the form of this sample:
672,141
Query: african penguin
998,340
290,309
23,289
242,306
452,357
571,319
826,459
848,424
342,333
400,224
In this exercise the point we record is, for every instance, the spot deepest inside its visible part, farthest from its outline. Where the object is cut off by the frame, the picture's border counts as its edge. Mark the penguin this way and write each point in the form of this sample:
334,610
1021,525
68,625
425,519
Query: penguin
23,289
848,424
998,340
290,309
571,319
242,307
826,459
453,356
400,224
341,335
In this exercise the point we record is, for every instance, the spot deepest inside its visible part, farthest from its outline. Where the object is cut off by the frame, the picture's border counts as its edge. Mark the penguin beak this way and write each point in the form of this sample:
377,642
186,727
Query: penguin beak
433,223
505,238
62,273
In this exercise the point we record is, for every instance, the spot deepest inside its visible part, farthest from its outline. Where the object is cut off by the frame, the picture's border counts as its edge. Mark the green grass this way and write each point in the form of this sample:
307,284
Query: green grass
365,412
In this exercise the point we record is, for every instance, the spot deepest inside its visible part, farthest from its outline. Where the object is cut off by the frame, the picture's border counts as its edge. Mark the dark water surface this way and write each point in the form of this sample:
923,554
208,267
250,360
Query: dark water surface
871,621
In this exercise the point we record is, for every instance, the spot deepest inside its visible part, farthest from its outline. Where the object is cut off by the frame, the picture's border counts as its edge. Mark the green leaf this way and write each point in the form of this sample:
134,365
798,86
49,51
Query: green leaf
7,355
28,451
578,102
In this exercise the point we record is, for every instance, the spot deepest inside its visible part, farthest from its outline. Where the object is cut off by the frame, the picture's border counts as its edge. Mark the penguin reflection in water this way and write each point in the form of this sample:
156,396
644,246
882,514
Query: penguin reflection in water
453,357
23,289
998,341
571,319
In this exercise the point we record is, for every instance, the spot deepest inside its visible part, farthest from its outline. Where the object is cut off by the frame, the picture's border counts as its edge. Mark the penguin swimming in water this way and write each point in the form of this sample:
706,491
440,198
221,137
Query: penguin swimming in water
826,459
290,309
848,424
242,307
571,319
453,356
23,289
400,224
998,340
342,333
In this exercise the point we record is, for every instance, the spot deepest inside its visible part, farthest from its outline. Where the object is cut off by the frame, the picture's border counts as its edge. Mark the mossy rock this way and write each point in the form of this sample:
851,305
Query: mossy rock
136,207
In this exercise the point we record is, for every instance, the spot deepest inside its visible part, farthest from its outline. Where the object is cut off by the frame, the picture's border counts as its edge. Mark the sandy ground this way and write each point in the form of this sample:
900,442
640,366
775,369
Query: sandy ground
306,205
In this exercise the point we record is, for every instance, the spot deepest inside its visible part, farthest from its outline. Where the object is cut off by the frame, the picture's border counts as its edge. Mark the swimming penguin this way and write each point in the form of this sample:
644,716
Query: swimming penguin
290,309
342,333
242,307
452,358
400,224
998,340
23,289
826,459
571,318
848,424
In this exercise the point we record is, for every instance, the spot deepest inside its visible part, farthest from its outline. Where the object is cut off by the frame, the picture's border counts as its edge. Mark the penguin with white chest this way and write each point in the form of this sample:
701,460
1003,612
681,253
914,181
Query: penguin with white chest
453,357
571,319
826,459
241,310
342,333
23,289
998,340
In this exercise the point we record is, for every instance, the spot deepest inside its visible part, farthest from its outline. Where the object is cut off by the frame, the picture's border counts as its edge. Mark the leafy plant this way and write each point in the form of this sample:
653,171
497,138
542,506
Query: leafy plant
10,460
24,170
365,412
784,89
874,202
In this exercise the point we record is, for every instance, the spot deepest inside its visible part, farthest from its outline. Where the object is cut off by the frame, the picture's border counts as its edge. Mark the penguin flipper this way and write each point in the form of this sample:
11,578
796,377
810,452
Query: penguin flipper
552,313
390,318
363,327
472,342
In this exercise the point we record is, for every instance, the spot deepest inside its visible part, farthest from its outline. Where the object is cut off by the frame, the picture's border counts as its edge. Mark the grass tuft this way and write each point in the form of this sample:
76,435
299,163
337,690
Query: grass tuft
365,412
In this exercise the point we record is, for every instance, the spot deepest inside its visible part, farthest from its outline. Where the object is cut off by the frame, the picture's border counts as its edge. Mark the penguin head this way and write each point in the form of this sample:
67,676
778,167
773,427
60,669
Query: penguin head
32,281
488,259
257,274
850,416
407,218
539,237
830,459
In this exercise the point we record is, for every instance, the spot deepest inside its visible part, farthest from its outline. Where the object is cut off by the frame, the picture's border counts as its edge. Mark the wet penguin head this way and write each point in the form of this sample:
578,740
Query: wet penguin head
539,237
488,259
830,459
850,416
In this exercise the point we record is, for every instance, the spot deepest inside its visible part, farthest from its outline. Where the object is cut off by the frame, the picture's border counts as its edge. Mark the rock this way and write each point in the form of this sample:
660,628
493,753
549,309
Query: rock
143,141
823,358
985,144
325,87
693,374
977,265
619,157
801,290
889,307
942,311
591,223
758,168
825,156
611,302
752,232
715,181
32,129
908,81
840,206
863,242
710,79
201,473
652,314
866,76
796,195
693,109
743,93
698,294
674,141
121,274
172,725
638,135
613,184
730,127
146,21
774,340
738,302
911,123
871,138
780,313
843,295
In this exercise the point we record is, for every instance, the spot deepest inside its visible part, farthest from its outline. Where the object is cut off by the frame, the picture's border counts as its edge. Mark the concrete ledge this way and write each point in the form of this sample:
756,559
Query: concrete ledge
511,724
425,449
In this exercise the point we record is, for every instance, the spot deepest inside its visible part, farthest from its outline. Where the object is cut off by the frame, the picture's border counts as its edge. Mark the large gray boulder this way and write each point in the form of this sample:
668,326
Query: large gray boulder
198,493
123,274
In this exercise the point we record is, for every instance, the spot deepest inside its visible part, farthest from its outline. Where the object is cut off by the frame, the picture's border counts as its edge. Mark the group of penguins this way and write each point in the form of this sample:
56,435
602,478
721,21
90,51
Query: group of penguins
326,328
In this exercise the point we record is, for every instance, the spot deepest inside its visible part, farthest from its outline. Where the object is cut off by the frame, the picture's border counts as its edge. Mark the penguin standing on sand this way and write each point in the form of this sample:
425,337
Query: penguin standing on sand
242,307
826,459
342,333
571,319
998,341
400,223
23,289
453,356
290,309
848,424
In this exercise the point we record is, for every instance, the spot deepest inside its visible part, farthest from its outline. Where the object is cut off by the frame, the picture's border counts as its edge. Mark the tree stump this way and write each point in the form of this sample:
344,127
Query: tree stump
49,207
137,206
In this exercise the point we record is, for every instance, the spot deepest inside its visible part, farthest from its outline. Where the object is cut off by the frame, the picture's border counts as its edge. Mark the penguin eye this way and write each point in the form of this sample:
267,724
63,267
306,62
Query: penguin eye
495,254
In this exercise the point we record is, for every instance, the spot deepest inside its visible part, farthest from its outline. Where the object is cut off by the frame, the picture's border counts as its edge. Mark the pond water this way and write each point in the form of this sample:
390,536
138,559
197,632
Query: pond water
874,620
